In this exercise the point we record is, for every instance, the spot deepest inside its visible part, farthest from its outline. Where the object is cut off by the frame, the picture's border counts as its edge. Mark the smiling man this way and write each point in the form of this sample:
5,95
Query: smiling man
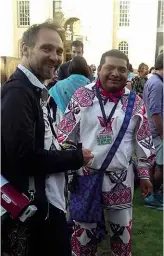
114,130
26,164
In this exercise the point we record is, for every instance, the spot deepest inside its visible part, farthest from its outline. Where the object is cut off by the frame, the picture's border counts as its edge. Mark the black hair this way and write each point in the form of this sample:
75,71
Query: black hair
130,68
30,35
151,69
79,66
159,62
141,66
114,53
77,43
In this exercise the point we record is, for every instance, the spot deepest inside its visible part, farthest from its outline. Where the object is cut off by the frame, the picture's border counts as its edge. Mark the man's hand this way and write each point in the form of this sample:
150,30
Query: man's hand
146,187
87,155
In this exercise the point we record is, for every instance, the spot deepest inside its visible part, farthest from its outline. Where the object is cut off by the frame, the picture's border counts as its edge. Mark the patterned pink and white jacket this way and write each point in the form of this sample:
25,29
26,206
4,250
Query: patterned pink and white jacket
83,116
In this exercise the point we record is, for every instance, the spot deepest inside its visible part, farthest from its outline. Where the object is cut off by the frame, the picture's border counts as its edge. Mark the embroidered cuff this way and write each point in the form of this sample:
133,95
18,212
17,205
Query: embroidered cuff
152,159
143,173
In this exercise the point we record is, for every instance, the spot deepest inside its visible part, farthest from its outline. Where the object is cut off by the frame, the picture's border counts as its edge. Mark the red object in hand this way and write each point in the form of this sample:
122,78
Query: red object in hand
11,200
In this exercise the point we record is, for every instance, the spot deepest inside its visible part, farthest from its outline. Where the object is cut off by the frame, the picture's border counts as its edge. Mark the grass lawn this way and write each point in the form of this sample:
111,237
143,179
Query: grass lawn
147,231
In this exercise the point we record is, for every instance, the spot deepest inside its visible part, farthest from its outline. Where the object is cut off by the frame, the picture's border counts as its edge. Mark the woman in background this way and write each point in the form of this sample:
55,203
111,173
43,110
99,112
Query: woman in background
131,75
139,81
63,90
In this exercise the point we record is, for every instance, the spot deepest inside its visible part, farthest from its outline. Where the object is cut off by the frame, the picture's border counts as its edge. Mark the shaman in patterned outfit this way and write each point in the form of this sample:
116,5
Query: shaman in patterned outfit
84,112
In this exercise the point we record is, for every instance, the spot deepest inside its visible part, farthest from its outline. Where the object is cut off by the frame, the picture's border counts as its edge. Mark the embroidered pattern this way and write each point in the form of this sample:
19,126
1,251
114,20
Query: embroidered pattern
143,173
120,196
124,101
66,125
75,244
144,130
119,248
117,198
107,129
84,97
73,107
138,105
88,249
118,177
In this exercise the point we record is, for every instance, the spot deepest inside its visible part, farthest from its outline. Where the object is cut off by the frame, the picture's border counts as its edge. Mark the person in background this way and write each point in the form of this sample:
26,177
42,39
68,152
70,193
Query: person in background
93,72
77,49
63,90
23,154
153,98
131,75
139,81
151,72
98,110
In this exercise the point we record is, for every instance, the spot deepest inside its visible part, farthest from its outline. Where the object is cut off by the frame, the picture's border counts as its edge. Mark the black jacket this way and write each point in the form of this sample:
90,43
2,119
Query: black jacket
64,71
22,140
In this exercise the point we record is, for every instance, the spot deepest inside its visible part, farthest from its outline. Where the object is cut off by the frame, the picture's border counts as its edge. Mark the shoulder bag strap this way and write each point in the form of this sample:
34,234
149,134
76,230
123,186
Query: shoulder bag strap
117,142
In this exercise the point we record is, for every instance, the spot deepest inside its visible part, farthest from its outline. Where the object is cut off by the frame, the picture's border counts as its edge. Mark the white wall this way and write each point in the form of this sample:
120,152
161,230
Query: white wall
6,28
40,10
142,31
97,26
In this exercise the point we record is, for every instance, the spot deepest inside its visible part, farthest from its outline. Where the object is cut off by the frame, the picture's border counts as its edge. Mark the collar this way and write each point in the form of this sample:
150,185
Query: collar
160,77
109,95
31,77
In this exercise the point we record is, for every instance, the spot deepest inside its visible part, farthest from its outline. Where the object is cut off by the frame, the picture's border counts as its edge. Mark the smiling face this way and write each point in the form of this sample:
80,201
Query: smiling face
45,56
113,74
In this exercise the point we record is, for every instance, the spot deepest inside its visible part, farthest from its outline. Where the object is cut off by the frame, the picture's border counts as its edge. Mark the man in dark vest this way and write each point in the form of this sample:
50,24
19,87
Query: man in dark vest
76,50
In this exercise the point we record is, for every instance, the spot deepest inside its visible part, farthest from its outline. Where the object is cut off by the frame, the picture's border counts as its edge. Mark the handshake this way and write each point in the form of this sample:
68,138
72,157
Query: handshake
87,154
70,145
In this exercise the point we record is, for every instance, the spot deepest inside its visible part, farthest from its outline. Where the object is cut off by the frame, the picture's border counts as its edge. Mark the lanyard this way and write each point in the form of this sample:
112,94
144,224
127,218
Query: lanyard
102,108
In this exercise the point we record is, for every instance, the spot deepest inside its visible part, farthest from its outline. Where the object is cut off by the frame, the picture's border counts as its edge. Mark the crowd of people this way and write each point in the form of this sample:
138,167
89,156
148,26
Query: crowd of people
78,131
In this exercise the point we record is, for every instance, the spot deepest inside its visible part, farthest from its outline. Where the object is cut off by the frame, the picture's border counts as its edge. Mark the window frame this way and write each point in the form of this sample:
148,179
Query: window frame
122,48
56,9
124,13
22,14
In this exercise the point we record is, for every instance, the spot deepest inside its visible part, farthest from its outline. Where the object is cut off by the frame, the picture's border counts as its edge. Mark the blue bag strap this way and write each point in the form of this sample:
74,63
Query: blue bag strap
116,144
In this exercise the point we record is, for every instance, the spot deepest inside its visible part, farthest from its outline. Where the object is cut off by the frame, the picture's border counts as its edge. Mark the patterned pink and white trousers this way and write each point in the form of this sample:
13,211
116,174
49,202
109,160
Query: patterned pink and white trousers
117,196
84,242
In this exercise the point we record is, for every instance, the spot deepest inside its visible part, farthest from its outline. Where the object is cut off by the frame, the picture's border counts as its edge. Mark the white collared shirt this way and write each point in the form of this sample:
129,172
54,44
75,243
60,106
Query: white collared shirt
31,77
55,183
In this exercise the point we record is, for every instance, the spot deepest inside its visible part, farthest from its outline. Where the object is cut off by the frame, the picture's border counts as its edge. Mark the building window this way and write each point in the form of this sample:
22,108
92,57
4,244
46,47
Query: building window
57,7
23,8
162,14
124,13
123,47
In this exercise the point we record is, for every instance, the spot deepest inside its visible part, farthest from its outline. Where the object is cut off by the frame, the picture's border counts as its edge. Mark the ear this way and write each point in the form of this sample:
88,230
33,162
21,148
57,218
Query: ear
24,49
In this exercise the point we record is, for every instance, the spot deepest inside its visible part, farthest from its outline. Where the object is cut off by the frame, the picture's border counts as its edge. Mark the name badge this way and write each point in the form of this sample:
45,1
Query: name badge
104,139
